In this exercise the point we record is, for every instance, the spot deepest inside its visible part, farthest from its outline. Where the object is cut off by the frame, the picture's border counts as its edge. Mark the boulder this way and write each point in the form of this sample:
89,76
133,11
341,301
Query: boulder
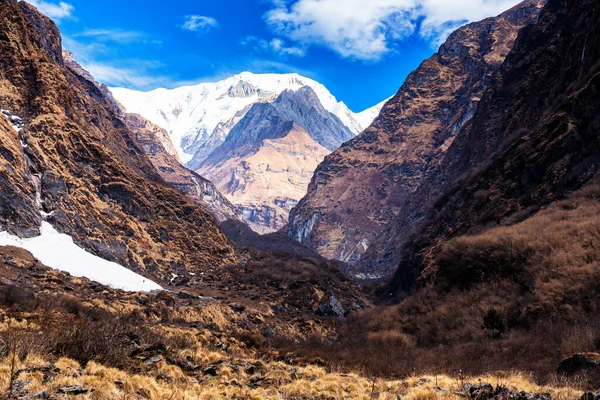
73,390
591,396
332,308
153,360
237,307
184,296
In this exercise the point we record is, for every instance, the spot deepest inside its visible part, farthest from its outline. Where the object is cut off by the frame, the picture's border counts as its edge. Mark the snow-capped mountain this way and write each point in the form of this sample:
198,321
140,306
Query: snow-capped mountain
366,117
191,114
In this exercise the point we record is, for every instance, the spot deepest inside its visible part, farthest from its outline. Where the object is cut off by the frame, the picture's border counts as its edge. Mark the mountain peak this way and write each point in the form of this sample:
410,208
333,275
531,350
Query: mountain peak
192,114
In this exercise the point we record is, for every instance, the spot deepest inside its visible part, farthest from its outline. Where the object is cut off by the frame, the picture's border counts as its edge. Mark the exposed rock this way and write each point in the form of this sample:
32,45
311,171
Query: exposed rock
266,162
591,396
153,360
197,115
242,89
73,390
332,307
528,145
158,146
485,391
362,186
91,166
237,307
184,295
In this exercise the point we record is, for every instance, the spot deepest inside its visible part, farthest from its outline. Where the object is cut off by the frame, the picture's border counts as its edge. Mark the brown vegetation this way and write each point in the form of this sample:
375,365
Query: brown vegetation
542,275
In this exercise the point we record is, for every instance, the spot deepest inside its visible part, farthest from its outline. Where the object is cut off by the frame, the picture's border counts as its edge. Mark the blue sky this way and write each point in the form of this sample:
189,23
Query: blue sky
362,50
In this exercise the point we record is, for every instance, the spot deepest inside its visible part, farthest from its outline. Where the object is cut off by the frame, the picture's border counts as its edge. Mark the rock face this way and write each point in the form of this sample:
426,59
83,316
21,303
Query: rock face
268,158
532,141
77,164
360,188
200,120
156,143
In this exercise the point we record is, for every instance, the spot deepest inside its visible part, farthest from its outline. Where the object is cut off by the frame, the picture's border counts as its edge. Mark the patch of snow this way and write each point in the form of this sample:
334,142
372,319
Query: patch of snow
16,122
192,113
367,117
58,251
173,278
367,276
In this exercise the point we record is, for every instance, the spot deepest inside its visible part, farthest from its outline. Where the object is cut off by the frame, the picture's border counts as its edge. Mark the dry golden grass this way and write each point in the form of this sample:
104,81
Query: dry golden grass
542,275
310,382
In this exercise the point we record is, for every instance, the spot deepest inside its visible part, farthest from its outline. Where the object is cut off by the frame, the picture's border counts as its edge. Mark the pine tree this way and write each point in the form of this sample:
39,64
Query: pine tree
493,322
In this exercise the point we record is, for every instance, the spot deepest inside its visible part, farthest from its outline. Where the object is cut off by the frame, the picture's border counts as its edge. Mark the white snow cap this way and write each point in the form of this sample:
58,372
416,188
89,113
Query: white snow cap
58,251
191,113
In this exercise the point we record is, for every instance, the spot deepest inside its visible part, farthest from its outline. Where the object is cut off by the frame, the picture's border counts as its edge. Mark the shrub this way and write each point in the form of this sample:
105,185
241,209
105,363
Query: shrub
493,322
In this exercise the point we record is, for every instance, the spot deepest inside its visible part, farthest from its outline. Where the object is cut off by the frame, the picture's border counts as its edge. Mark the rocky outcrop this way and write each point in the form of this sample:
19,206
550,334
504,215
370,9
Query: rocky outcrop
77,165
531,142
158,146
267,160
360,188
485,391
19,210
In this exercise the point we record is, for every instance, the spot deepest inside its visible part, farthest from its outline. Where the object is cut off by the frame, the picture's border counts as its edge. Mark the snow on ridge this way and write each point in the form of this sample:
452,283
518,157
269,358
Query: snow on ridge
58,251
367,116
191,113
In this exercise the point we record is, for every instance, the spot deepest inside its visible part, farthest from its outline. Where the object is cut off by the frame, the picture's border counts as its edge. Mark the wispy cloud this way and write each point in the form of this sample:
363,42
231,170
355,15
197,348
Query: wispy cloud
138,74
113,35
276,46
53,10
120,36
199,23
123,77
368,30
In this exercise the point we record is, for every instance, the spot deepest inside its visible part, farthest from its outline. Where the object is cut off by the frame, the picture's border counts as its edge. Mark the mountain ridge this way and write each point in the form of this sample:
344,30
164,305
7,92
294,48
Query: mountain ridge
82,170
360,188
266,162
186,113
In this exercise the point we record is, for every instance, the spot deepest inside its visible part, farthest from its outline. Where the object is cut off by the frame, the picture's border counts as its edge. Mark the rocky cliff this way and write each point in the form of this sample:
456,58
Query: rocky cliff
160,150
533,139
265,164
360,188
73,162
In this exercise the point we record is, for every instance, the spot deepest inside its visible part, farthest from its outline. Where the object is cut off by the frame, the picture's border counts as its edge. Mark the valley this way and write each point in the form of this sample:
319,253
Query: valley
253,238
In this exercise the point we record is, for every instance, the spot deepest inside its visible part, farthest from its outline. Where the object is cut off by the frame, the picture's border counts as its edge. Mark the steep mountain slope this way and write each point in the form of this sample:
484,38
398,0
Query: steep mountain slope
503,270
157,144
75,164
361,187
533,140
194,114
268,158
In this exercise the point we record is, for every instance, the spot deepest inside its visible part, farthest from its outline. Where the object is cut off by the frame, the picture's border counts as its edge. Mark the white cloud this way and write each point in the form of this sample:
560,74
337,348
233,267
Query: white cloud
114,35
368,30
276,46
53,10
120,36
199,23
131,73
